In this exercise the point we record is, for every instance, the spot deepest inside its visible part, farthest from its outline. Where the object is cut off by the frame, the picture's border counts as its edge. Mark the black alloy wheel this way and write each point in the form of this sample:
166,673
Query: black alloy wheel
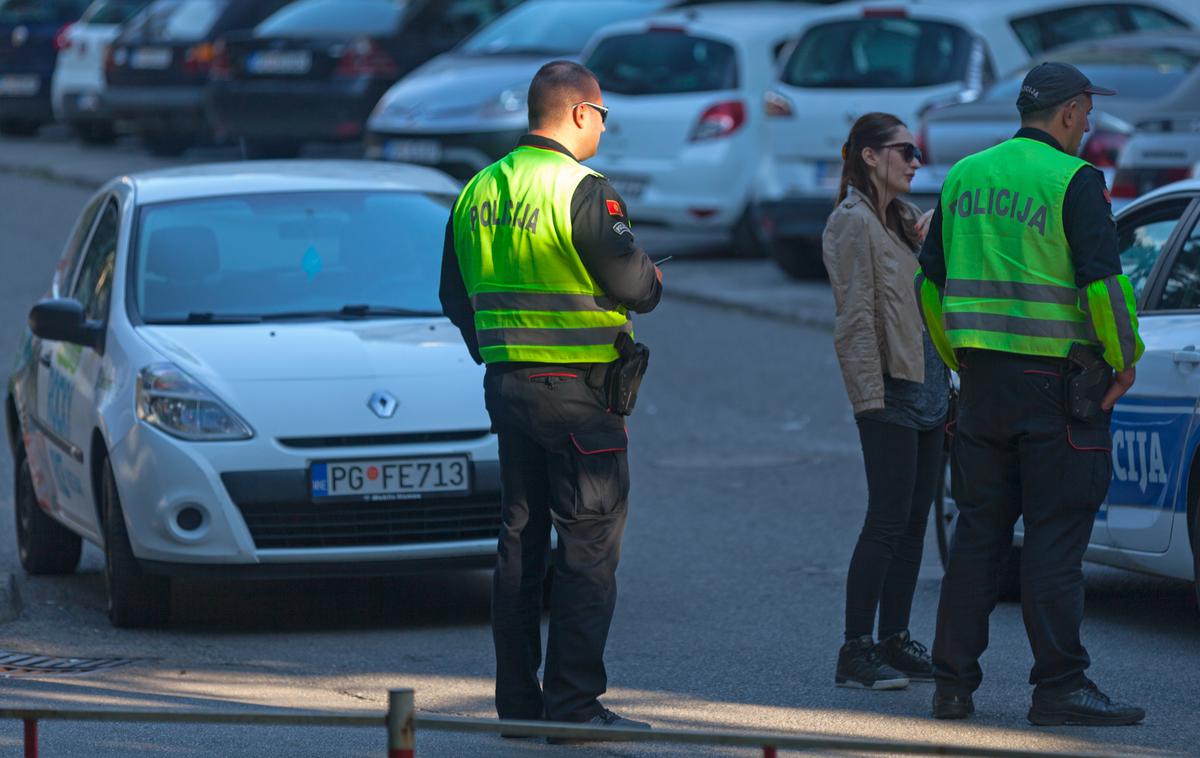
135,599
43,545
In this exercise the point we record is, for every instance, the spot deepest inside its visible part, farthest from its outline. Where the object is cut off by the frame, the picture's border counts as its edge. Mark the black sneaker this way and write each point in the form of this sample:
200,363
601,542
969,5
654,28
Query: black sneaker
1086,706
907,656
860,665
605,718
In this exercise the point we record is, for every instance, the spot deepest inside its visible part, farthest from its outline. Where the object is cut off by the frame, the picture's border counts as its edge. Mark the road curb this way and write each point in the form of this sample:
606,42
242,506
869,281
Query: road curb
10,598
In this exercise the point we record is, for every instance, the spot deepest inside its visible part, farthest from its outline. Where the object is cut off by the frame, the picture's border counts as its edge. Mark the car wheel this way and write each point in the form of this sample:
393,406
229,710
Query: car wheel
44,545
799,258
748,237
16,127
945,510
255,150
166,145
135,599
95,132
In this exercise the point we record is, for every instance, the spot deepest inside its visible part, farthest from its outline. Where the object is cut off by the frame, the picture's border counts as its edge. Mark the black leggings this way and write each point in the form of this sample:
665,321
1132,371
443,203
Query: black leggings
904,469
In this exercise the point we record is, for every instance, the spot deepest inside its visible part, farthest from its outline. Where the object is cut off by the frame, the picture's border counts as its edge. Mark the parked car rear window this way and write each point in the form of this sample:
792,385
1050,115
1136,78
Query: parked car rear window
111,11
176,20
40,11
551,28
257,255
333,18
1043,31
879,52
663,62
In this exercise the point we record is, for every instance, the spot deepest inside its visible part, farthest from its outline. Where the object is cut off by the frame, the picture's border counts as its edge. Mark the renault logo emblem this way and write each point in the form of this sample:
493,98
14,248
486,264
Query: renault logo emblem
383,404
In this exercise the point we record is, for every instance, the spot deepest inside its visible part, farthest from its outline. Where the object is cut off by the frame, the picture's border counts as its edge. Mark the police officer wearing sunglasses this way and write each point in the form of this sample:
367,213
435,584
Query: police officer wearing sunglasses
1023,294
540,273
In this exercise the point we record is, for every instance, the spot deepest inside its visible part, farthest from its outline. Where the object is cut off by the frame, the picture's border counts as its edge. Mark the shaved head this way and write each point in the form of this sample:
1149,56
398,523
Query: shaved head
555,88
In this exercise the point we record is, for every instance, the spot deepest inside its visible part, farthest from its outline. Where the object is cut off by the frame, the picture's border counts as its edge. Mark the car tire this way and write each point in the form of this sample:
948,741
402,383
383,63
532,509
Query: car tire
17,127
135,599
257,150
945,510
749,239
95,132
44,545
166,145
800,259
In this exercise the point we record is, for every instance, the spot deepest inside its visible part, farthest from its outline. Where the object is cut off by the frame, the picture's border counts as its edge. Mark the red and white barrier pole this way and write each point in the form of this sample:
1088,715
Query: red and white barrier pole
768,751
401,734
31,740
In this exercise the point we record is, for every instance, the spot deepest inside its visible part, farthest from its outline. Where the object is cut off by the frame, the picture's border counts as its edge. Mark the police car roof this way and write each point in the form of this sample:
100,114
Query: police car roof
255,177
1185,186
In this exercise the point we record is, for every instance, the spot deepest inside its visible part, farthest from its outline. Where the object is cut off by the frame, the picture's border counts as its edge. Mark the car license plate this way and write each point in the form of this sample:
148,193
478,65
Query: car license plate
629,187
286,62
425,151
150,58
389,478
20,85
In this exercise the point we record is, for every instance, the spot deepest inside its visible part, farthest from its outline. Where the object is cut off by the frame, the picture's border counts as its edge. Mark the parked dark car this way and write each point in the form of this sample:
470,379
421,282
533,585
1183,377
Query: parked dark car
30,38
156,70
314,71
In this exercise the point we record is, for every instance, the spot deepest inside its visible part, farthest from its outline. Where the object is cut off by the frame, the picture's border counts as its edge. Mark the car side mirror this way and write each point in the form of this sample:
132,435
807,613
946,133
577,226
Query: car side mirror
63,320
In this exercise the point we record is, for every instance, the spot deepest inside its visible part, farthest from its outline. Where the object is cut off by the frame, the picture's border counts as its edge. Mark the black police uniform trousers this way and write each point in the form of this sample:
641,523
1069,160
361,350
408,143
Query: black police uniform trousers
1015,453
563,463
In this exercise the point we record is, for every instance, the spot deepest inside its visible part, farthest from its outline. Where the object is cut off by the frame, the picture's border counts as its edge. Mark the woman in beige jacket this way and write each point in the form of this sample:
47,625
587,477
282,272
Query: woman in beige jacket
899,390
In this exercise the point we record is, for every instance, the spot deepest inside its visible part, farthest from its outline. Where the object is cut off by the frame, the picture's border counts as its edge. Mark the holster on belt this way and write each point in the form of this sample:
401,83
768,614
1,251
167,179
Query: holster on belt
1087,379
622,378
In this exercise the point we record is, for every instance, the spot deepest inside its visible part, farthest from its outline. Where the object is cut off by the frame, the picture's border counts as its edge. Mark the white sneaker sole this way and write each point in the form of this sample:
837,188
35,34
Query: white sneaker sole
882,684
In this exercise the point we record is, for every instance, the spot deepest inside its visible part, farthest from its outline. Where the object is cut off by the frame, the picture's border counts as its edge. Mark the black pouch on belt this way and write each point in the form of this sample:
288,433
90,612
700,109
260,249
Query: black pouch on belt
1087,380
625,375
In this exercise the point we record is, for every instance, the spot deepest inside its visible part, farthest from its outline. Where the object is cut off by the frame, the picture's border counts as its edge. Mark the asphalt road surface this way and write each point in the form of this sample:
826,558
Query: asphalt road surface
748,494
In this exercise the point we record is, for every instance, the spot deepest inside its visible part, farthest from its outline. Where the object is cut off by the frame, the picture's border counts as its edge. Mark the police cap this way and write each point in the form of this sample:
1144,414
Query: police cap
1049,84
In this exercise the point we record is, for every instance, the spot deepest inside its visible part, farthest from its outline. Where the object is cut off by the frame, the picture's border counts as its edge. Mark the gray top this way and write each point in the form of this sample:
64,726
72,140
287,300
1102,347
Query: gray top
918,405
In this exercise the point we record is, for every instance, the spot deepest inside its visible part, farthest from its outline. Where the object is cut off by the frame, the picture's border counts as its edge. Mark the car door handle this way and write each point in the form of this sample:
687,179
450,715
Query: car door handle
1190,357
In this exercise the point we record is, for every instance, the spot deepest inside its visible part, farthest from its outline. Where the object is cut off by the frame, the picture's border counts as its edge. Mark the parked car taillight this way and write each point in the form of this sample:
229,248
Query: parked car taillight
1103,148
199,58
777,105
720,120
1135,182
222,65
62,40
365,58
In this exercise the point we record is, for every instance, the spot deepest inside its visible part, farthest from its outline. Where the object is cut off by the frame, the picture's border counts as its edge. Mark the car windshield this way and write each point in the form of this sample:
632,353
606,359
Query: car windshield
297,254
334,18
663,62
560,27
111,11
40,11
876,53
1136,81
176,20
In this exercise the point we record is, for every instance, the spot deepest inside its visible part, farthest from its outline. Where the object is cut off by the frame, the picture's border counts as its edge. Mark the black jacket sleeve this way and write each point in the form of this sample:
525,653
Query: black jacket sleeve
933,257
606,245
1090,228
456,304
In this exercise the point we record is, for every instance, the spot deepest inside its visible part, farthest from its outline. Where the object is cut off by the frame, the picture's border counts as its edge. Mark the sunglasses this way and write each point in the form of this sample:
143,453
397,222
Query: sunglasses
908,151
598,108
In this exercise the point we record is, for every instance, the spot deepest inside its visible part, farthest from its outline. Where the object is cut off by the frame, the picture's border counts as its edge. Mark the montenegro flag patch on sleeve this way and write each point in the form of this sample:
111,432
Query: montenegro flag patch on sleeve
614,208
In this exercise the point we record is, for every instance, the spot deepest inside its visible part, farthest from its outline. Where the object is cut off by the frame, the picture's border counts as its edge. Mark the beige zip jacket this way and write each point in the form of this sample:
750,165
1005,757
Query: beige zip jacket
877,329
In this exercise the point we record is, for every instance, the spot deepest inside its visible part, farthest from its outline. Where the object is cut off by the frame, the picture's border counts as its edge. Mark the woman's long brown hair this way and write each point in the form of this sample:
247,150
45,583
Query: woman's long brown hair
873,130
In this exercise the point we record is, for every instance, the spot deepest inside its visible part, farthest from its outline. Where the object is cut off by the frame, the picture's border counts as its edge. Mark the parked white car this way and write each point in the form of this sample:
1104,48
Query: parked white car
243,370
77,87
686,133
897,57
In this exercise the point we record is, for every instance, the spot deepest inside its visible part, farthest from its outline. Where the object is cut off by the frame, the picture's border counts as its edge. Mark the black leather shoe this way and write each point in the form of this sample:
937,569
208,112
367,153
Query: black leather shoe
952,706
605,718
1086,706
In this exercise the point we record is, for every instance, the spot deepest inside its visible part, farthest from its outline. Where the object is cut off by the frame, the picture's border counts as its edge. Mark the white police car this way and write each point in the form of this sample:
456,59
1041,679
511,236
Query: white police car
1150,521
243,370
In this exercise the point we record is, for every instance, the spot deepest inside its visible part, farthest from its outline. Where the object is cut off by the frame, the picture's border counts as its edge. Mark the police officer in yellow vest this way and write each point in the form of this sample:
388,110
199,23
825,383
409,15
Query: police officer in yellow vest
1022,292
540,273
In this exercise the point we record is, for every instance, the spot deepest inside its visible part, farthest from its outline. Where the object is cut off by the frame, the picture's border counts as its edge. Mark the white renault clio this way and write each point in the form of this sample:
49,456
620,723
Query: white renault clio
243,370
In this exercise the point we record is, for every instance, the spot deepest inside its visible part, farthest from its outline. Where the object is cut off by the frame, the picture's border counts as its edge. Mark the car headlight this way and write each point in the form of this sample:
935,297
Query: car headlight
511,100
173,402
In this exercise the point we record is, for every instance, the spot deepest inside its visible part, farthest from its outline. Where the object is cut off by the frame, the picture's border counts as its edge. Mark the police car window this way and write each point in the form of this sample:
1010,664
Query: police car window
1181,291
1146,19
94,280
1046,30
1142,238
553,28
337,18
663,62
259,255
879,52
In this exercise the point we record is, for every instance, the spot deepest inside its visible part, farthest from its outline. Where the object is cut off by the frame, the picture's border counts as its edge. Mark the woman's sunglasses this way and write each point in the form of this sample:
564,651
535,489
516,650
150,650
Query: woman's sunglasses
598,108
908,151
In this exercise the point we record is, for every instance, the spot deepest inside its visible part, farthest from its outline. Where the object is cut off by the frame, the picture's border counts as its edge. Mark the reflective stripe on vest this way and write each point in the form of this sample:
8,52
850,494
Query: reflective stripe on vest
1010,281
534,299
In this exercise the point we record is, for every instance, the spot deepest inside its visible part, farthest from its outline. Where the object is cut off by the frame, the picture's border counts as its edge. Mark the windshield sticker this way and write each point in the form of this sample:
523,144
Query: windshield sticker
311,262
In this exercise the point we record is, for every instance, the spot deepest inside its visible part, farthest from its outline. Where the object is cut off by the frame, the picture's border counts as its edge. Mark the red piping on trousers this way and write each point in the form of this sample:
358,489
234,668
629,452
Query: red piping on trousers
1071,442
596,452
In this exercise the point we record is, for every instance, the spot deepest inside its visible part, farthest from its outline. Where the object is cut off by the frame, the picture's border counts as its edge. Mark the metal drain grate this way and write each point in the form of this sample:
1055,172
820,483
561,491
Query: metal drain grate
23,664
